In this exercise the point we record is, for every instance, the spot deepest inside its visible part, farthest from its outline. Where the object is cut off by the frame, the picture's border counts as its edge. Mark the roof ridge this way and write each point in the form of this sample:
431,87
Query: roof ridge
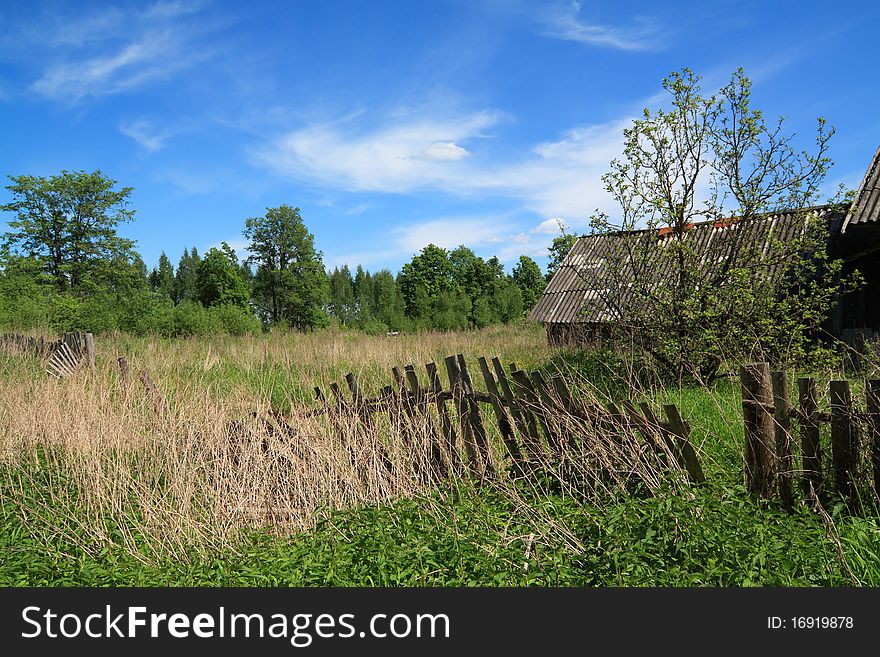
762,215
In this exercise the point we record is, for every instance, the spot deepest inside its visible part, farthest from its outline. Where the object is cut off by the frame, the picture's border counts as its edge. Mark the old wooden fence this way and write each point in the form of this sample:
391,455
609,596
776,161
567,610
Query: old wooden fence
64,356
539,420
774,460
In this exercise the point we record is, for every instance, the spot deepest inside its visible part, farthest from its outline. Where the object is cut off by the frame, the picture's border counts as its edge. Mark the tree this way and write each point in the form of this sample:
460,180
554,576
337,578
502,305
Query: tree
290,283
186,275
219,281
425,278
530,281
715,158
67,223
363,296
162,278
558,250
388,301
342,302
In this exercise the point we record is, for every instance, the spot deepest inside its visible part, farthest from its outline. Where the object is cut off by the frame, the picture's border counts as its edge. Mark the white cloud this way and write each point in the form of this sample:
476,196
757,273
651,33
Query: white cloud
154,57
114,50
551,226
146,134
354,211
172,9
564,23
447,233
560,178
444,151
389,158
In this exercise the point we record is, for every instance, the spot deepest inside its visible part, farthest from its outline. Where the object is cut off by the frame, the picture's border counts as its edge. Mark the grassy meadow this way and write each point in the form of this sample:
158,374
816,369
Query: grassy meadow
97,488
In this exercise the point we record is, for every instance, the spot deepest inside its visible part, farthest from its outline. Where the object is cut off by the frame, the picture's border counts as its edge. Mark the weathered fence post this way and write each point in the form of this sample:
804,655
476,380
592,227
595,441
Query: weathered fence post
782,419
156,398
811,450
124,373
843,440
89,345
872,392
757,400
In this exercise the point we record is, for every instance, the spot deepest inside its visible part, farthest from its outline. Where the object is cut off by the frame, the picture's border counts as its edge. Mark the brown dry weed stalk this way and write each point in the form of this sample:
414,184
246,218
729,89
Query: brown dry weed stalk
94,459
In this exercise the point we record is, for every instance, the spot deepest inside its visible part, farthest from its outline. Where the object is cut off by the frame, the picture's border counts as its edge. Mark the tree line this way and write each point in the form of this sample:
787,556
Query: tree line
64,266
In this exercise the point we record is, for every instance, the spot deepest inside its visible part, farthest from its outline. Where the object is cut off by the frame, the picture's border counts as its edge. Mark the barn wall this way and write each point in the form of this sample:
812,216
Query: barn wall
570,334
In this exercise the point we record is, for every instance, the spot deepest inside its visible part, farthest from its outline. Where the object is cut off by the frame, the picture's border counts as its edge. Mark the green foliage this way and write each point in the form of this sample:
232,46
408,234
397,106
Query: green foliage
235,320
342,302
67,224
290,283
193,319
185,279
219,281
710,537
697,307
457,289
388,302
530,281
162,278
424,278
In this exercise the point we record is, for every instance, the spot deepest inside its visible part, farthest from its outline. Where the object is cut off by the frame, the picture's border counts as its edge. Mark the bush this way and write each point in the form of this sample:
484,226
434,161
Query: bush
192,318
147,313
235,320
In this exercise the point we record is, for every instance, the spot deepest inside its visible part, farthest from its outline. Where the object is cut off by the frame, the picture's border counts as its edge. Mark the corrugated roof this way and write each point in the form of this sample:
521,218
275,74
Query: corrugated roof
596,281
866,207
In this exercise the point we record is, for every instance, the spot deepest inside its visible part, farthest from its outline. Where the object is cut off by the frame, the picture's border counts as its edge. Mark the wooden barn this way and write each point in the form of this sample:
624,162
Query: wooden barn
586,295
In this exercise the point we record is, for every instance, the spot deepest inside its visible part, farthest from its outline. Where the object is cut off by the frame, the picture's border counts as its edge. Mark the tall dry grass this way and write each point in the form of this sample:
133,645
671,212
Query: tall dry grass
92,458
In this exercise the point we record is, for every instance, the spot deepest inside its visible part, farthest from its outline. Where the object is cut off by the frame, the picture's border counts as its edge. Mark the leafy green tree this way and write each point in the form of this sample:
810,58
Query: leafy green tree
219,281
342,301
162,278
428,275
363,296
712,158
185,286
508,302
388,301
67,223
290,284
530,281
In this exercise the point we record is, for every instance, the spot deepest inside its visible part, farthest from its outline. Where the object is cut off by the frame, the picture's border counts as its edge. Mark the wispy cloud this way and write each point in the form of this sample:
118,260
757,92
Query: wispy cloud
554,178
114,50
444,151
149,136
564,22
403,155
358,209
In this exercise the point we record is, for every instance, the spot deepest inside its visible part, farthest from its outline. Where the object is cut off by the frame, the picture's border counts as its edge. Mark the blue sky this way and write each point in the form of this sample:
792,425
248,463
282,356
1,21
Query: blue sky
396,124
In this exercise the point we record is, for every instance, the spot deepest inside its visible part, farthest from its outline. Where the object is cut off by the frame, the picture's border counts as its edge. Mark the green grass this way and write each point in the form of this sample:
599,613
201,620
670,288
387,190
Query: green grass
713,536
